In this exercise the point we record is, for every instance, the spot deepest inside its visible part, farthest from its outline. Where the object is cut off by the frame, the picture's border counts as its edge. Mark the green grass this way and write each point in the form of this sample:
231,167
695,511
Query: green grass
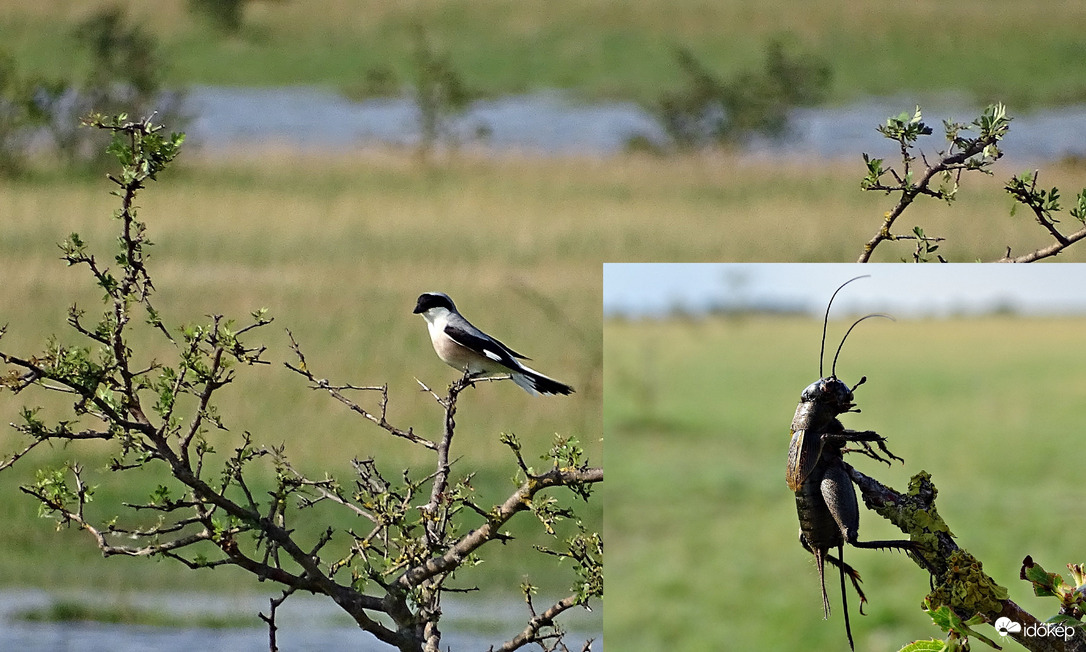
987,50
127,614
701,523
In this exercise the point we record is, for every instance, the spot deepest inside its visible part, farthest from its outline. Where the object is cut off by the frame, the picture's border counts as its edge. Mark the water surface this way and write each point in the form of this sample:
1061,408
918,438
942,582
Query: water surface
553,123
306,624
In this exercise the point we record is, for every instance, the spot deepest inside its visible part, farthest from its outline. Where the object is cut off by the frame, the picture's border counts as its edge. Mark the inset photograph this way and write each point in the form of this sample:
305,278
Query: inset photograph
835,457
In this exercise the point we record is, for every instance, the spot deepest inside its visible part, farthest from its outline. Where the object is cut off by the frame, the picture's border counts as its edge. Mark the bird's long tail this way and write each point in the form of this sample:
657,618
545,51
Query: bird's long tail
535,383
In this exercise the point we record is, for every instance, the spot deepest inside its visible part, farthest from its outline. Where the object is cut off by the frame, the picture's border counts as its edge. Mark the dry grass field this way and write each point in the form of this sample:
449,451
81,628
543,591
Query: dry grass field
337,252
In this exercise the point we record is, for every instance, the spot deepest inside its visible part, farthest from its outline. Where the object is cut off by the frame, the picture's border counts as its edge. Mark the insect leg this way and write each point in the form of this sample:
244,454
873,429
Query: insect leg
893,544
853,575
840,497
844,597
865,438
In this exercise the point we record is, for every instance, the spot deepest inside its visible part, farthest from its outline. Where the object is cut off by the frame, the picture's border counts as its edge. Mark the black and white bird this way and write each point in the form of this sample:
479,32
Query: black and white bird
463,346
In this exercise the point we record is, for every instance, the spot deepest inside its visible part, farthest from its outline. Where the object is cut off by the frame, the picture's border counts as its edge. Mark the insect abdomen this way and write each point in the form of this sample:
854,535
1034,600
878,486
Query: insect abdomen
815,520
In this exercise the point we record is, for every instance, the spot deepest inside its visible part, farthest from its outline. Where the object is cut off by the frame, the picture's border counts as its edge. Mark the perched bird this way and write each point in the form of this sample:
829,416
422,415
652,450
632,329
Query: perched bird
465,347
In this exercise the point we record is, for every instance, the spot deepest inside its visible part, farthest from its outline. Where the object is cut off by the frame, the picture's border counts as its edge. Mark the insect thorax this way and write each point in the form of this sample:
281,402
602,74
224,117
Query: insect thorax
821,402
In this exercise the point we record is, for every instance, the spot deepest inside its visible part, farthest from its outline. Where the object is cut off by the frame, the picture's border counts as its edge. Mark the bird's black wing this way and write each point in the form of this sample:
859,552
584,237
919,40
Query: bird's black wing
488,346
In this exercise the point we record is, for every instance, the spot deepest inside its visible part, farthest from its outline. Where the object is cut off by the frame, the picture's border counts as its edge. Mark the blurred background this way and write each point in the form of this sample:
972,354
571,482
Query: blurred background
630,131
344,156
979,382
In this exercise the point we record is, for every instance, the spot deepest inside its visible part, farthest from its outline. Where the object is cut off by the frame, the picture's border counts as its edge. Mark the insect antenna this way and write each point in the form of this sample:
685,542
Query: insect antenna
826,321
833,370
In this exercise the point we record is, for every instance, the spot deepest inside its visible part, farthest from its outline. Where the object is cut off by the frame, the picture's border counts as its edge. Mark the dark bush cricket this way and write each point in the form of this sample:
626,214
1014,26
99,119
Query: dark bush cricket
817,472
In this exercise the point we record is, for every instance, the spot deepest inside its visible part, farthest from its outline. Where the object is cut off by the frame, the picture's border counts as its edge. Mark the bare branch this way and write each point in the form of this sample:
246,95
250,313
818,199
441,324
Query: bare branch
1045,252
323,487
435,524
16,456
380,420
270,618
518,502
539,622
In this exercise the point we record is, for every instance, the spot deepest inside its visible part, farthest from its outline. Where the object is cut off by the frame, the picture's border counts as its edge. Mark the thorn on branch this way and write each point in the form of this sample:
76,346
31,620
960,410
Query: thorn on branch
336,391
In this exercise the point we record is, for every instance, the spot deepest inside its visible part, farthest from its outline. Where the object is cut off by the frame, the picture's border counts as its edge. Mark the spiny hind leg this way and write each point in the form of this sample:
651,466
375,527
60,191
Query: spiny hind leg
823,556
844,596
895,544
853,575
910,547
845,569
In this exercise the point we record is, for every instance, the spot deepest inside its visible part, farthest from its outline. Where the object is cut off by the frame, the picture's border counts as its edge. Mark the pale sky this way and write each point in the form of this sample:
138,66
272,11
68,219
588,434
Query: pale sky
906,290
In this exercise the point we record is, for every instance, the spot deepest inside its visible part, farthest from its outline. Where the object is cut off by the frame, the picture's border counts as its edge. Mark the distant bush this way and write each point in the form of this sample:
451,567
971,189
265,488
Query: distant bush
124,76
226,15
19,115
440,92
709,110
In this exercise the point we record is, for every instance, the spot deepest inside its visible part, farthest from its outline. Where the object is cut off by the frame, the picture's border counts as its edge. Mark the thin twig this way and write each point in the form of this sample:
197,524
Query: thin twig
335,390
538,622
519,501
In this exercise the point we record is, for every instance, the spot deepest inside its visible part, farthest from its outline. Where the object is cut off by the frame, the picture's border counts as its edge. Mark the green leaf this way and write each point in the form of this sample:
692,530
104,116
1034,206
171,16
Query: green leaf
947,620
927,645
1045,584
1079,211
161,495
1068,621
